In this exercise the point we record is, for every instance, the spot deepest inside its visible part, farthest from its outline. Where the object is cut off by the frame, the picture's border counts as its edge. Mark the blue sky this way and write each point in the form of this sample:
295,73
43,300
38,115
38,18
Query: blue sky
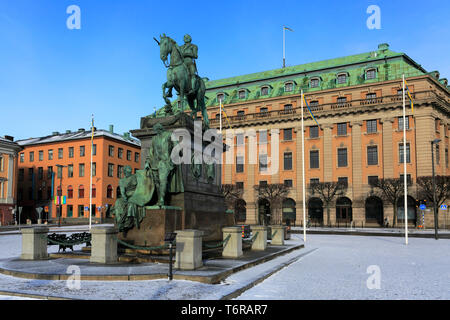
53,78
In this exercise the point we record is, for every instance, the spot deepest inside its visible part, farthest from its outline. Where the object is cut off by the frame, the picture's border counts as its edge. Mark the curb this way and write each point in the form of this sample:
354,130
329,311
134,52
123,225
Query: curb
29,295
374,234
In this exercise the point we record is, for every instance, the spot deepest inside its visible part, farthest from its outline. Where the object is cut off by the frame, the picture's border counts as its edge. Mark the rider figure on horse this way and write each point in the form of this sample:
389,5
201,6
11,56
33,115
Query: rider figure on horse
190,53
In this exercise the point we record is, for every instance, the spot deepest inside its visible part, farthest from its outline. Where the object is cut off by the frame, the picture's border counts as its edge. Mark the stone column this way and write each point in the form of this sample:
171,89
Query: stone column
233,247
104,245
328,152
278,235
388,155
425,133
188,249
34,243
260,243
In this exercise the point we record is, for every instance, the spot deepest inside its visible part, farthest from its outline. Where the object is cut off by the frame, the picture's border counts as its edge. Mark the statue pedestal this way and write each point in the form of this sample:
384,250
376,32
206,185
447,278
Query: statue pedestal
156,223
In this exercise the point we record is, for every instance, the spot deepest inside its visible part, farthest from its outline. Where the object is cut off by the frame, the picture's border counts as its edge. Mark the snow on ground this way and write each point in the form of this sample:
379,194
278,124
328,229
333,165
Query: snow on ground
330,267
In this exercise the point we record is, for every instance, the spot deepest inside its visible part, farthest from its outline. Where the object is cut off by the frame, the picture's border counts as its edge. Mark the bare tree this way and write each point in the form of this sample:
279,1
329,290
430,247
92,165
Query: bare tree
275,193
232,193
442,187
390,190
327,192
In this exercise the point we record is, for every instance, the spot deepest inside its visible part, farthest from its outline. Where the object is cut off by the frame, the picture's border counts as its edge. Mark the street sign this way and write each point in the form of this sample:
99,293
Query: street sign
99,209
443,207
422,207
86,208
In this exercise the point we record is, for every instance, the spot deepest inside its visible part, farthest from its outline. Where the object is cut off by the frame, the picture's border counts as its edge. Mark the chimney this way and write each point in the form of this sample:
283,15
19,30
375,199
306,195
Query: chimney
68,131
55,133
81,130
111,128
10,138
126,135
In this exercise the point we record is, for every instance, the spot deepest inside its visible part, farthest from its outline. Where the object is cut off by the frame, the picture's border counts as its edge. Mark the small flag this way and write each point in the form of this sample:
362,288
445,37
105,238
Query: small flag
286,28
309,110
409,96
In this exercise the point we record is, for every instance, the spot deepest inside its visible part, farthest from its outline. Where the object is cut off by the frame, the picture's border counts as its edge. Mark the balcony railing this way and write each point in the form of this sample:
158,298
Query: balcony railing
327,107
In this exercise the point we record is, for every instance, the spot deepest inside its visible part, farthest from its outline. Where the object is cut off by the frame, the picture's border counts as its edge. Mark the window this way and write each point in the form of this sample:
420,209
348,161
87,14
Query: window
263,163
1,164
372,155
111,151
287,134
59,172
314,180
80,192
263,110
289,87
400,123
372,180
69,210
288,161
109,192
49,172
314,132
288,107
262,137
94,169
128,155
120,153
94,149
221,97
70,171
341,100
110,170
31,156
314,103
22,157
60,153
239,164
40,173
242,94
342,78
371,126
314,83
263,183
82,151
342,129
136,157
80,210
342,157
81,169
401,153
240,139
343,180
371,95
438,155
408,178
314,159
30,174
70,152
94,191
239,185
240,113
119,171
69,192
264,91
59,191
371,74
50,154
288,183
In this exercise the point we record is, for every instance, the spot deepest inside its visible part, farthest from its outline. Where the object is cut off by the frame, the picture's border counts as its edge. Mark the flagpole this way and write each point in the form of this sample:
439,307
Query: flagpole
303,173
90,183
220,114
404,165
284,47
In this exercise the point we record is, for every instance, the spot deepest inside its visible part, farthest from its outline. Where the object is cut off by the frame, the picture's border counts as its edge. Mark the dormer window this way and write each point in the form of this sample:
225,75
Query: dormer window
221,97
371,74
288,87
241,94
264,91
342,78
314,83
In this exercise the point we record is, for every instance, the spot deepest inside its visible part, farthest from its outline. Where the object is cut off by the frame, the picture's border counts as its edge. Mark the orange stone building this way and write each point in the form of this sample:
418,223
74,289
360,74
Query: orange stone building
59,165
357,101
8,179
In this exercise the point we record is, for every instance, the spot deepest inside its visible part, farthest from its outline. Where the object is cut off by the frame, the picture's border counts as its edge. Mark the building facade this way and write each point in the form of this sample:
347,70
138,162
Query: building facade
8,179
357,101
54,174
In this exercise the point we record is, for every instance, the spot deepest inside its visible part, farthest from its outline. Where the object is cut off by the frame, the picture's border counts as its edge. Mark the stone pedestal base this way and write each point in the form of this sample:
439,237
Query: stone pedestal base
233,247
278,234
34,243
154,226
188,249
104,245
260,243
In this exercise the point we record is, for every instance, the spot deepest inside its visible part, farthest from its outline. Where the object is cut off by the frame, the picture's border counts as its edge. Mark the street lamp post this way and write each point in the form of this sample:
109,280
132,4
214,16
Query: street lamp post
434,189
60,199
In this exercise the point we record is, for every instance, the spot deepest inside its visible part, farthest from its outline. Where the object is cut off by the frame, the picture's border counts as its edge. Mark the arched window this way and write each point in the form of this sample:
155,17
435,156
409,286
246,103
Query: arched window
289,86
109,192
371,74
315,211
289,211
69,192
343,210
374,210
118,194
81,192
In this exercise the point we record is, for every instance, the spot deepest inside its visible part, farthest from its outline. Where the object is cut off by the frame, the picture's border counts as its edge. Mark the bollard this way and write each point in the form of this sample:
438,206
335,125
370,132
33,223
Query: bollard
34,243
188,253
260,243
278,235
104,245
233,247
